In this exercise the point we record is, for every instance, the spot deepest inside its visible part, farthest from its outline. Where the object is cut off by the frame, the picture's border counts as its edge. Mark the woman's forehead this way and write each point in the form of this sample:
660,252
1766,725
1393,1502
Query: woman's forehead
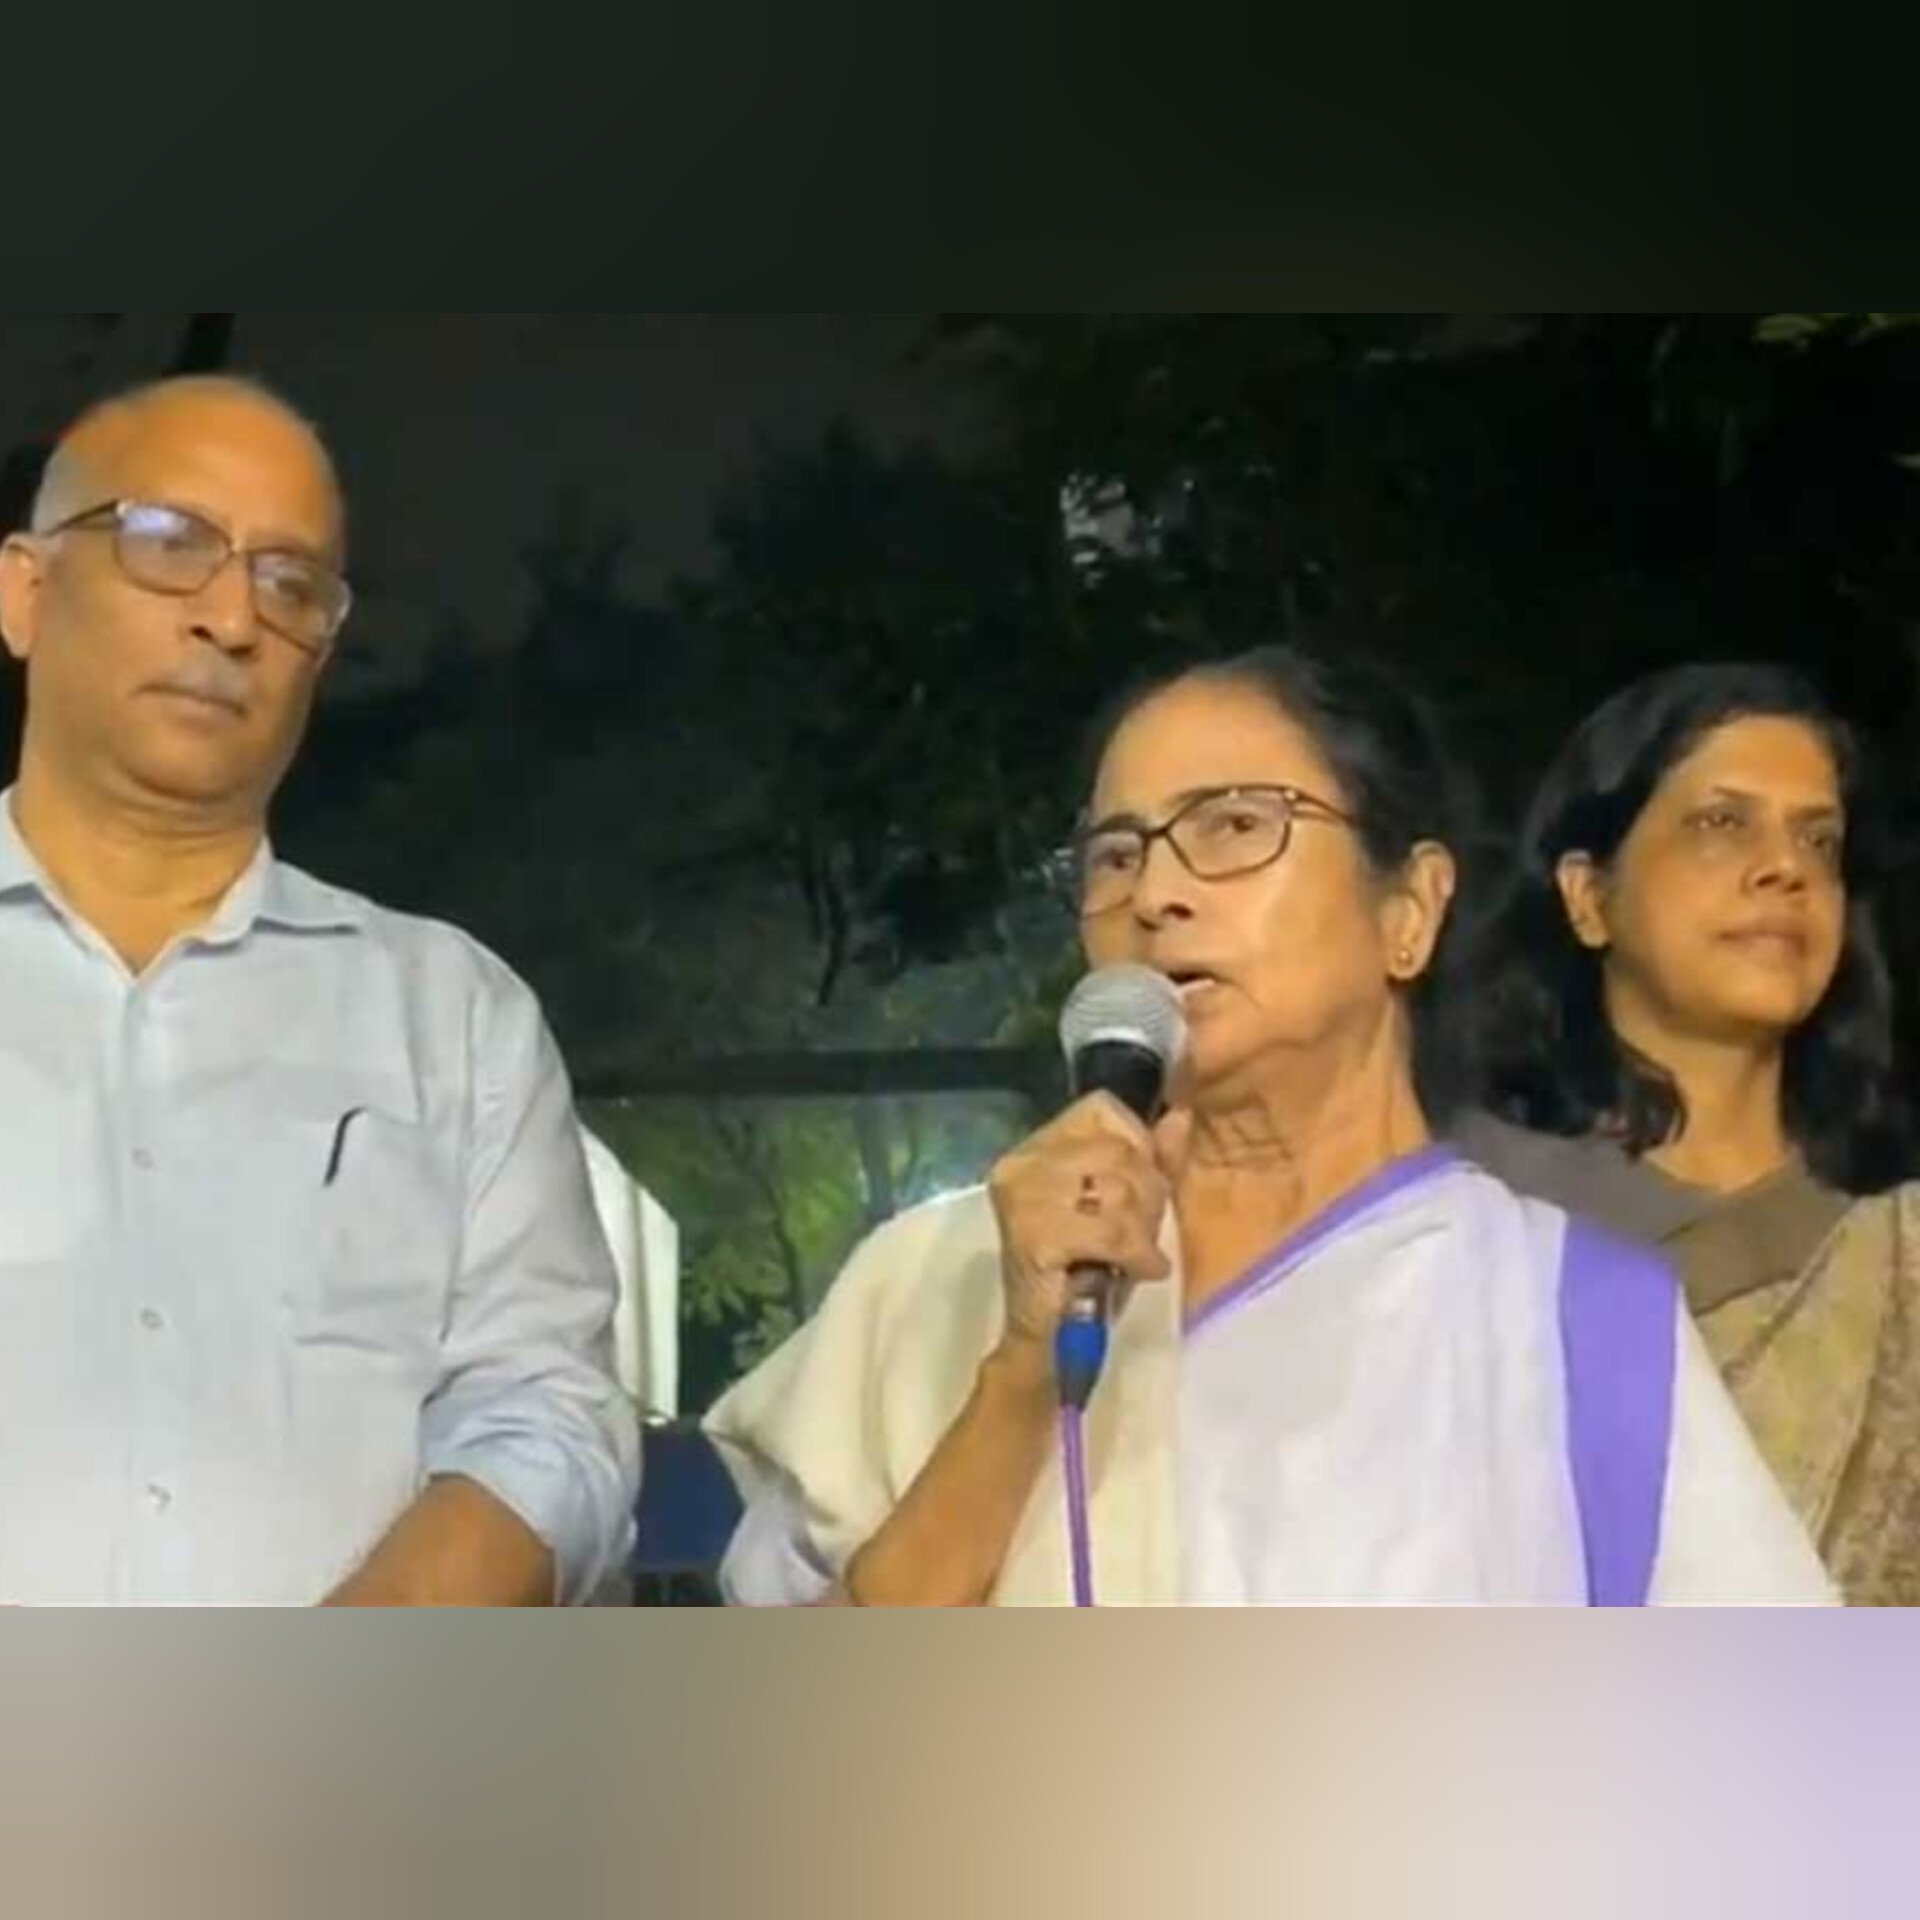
1772,755
1203,732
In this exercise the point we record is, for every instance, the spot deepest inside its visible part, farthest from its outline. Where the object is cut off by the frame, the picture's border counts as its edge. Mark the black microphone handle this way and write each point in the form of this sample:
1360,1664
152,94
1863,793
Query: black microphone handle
1133,1074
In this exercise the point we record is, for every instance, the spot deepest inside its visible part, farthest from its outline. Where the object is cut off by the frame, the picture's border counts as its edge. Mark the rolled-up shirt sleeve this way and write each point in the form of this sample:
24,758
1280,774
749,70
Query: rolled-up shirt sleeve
528,1405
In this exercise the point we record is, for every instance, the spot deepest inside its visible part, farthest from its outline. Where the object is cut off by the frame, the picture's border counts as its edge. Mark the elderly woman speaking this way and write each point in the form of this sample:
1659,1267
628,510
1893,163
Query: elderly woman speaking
1346,1365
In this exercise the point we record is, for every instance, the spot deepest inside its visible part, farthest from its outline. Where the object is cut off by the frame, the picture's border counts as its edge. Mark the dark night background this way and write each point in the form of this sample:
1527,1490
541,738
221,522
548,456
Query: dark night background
724,671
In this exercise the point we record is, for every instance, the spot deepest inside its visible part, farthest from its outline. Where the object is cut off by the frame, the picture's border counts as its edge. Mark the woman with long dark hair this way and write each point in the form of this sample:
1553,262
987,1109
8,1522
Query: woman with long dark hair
1685,1020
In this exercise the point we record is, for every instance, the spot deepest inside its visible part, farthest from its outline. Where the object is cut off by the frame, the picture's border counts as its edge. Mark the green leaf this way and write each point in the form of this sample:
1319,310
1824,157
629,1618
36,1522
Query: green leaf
1795,329
1802,329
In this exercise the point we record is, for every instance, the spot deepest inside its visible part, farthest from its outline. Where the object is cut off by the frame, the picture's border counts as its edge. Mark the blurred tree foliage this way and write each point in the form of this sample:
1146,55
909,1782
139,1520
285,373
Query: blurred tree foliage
1526,508
793,809
810,800
1805,329
771,1197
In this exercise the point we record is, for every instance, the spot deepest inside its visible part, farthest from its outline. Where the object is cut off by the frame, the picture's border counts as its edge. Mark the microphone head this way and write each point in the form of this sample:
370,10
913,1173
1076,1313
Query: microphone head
1123,1006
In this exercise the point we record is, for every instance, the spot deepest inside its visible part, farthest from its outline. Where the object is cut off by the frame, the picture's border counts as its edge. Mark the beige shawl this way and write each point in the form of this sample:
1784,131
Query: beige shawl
1826,1369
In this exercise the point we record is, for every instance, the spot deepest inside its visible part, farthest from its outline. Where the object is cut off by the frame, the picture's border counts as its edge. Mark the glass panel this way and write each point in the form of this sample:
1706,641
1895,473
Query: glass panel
769,1196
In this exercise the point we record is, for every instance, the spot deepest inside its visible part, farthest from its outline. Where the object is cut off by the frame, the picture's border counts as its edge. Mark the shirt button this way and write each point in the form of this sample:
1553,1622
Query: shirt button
152,1319
159,1498
143,1159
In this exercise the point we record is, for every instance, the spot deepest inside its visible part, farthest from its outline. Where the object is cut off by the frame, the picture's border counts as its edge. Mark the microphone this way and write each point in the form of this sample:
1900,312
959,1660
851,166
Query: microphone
1122,1031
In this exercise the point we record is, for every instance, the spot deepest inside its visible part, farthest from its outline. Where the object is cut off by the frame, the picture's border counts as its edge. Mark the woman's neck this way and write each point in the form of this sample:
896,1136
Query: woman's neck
1259,1167
1734,1133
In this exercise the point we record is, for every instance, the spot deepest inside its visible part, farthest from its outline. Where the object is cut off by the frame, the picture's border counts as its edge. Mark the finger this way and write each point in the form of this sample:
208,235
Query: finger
1126,1187
1134,1258
1100,1115
1115,1174
1034,1205
1172,1137
1119,1242
1150,1262
1098,1127
1060,1284
1105,1154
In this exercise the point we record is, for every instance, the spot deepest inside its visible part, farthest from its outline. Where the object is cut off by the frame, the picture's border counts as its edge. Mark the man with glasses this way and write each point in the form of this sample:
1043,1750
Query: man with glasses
302,1296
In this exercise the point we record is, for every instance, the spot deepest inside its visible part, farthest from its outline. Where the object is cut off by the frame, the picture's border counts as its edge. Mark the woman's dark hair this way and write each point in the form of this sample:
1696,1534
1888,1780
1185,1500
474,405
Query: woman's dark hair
1549,1057
1385,746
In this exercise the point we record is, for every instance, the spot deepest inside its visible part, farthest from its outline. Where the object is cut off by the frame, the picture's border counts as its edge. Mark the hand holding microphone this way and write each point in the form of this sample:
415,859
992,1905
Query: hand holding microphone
1080,1203
1080,1199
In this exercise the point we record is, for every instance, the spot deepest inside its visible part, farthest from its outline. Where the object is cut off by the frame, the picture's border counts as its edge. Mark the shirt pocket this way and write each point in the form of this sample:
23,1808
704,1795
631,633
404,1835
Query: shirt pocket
370,1223
371,1233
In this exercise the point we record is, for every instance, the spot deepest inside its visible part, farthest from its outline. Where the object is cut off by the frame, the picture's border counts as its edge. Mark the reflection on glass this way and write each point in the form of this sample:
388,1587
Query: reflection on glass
769,1196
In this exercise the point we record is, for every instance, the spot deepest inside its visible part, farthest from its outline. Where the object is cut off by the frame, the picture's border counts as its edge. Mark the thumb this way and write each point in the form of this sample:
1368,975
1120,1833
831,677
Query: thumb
1172,1136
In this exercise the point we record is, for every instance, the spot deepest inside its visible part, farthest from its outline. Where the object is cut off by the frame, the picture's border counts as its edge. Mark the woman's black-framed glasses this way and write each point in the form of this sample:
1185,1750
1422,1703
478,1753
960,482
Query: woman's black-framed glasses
1218,834
174,550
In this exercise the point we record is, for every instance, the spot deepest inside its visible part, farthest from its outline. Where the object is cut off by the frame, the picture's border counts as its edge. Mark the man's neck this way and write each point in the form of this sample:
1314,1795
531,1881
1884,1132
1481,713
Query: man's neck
1735,1132
140,875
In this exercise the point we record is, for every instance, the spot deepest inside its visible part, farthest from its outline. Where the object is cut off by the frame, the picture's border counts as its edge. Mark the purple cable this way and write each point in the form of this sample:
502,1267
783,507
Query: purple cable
1073,1450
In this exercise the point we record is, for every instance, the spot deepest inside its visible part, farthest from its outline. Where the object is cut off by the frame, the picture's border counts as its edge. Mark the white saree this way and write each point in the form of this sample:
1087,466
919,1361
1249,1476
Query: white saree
1396,1406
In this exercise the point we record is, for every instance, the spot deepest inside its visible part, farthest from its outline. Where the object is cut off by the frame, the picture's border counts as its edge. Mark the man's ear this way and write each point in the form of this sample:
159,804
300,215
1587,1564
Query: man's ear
22,571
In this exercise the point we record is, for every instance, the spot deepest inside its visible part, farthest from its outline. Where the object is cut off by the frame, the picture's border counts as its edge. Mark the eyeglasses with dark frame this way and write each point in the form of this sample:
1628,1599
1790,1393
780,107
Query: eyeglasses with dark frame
1219,834
173,550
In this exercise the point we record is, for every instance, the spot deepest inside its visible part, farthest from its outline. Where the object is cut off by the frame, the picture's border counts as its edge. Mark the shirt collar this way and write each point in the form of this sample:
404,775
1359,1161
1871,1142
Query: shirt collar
267,893
19,870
